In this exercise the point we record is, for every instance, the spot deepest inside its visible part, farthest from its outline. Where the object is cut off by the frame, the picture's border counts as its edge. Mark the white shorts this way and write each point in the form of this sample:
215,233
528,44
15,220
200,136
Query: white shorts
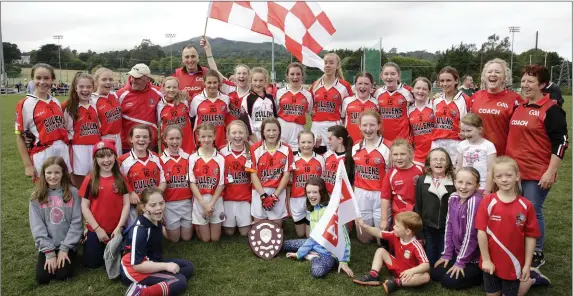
117,139
297,208
218,211
279,210
289,133
450,145
82,160
320,129
238,213
370,204
58,148
178,214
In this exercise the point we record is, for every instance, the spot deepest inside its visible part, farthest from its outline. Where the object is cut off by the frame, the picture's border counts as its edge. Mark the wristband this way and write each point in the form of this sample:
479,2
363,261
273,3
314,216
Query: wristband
96,228
209,57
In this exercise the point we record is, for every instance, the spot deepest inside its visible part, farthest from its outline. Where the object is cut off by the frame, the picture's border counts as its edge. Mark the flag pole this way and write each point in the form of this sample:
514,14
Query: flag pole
273,62
207,18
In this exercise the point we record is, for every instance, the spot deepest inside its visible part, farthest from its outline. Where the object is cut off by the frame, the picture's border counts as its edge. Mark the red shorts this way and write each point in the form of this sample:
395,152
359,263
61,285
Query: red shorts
396,267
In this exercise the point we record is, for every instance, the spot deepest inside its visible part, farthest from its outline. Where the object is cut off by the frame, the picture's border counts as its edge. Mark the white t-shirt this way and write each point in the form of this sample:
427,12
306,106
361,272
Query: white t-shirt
475,155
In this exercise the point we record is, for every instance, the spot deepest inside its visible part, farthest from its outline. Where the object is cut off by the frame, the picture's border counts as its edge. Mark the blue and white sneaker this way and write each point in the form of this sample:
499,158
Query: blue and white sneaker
540,279
135,289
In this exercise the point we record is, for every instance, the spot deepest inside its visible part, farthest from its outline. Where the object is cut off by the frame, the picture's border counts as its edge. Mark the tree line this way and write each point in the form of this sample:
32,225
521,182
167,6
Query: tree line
468,59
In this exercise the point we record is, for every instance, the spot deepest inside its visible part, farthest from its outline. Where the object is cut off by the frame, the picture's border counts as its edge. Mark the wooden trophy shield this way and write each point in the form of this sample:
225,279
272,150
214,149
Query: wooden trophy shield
266,239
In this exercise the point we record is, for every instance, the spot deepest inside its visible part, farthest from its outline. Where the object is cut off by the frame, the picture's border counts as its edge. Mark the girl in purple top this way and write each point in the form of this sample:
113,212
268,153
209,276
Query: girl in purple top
458,267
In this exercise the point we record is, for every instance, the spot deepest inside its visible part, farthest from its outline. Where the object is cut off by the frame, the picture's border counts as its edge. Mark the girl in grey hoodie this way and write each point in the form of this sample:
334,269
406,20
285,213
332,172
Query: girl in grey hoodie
55,221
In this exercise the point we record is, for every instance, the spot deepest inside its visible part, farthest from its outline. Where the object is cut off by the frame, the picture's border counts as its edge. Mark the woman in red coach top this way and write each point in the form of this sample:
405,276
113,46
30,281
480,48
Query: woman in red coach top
328,92
393,99
537,141
495,104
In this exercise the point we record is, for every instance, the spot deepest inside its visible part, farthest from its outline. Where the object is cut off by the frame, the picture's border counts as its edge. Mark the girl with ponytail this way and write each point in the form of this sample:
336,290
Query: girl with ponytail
340,144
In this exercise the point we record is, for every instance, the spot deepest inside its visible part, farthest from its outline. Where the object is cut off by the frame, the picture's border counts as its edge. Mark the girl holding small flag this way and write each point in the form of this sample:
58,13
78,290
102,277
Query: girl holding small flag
322,261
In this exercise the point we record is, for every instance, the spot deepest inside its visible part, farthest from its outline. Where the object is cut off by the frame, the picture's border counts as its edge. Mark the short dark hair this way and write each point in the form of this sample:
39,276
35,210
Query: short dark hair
540,72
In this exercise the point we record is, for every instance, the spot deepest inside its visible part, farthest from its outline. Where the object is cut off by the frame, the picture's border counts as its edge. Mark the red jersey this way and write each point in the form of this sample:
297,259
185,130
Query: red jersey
270,166
371,166
138,107
107,206
142,173
176,174
407,254
85,129
528,141
449,116
331,160
303,170
207,174
422,122
238,182
393,107
43,118
235,100
191,82
168,113
211,111
351,109
495,111
327,103
109,113
292,106
507,225
399,187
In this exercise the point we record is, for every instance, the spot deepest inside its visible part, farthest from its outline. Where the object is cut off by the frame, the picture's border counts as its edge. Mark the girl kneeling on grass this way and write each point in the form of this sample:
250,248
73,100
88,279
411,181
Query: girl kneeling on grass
322,261
105,202
237,194
55,221
178,195
206,175
458,267
143,266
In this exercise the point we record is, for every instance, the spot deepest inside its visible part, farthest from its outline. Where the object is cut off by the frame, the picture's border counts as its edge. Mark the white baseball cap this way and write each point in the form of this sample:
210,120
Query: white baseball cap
139,70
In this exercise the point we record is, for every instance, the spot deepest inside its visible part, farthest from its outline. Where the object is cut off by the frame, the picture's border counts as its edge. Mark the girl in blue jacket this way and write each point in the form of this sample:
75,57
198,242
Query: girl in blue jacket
322,261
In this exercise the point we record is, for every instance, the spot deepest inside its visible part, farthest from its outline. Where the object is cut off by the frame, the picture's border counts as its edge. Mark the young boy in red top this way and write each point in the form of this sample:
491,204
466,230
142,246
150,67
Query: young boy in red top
409,264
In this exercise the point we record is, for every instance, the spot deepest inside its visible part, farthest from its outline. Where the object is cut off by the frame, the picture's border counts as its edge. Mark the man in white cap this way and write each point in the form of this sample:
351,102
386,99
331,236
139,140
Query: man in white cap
138,100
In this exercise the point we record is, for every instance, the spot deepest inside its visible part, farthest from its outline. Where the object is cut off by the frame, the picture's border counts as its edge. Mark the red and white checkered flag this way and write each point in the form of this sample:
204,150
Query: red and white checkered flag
302,27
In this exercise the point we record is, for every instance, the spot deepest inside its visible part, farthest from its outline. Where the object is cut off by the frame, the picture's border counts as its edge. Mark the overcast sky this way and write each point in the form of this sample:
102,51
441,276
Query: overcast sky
410,26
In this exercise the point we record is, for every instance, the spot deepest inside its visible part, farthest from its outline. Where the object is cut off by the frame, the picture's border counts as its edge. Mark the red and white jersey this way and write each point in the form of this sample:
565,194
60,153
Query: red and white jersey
85,129
422,123
191,82
399,187
495,111
351,109
176,174
43,118
138,107
393,107
449,116
408,254
142,173
507,225
331,160
302,170
109,113
270,166
328,101
207,174
168,114
238,180
371,166
235,100
212,111
292,106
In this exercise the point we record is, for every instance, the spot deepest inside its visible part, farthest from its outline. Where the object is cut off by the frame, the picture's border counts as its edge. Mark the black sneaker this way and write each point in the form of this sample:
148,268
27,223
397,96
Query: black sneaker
367,280
390,285
540,279
538,259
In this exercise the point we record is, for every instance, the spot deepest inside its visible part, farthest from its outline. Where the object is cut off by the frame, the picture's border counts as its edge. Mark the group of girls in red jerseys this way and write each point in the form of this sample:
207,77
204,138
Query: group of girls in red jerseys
232,154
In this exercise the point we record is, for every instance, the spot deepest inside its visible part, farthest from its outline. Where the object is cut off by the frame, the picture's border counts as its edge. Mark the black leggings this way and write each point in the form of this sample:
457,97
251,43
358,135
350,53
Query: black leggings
66,272
177,283
472,272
